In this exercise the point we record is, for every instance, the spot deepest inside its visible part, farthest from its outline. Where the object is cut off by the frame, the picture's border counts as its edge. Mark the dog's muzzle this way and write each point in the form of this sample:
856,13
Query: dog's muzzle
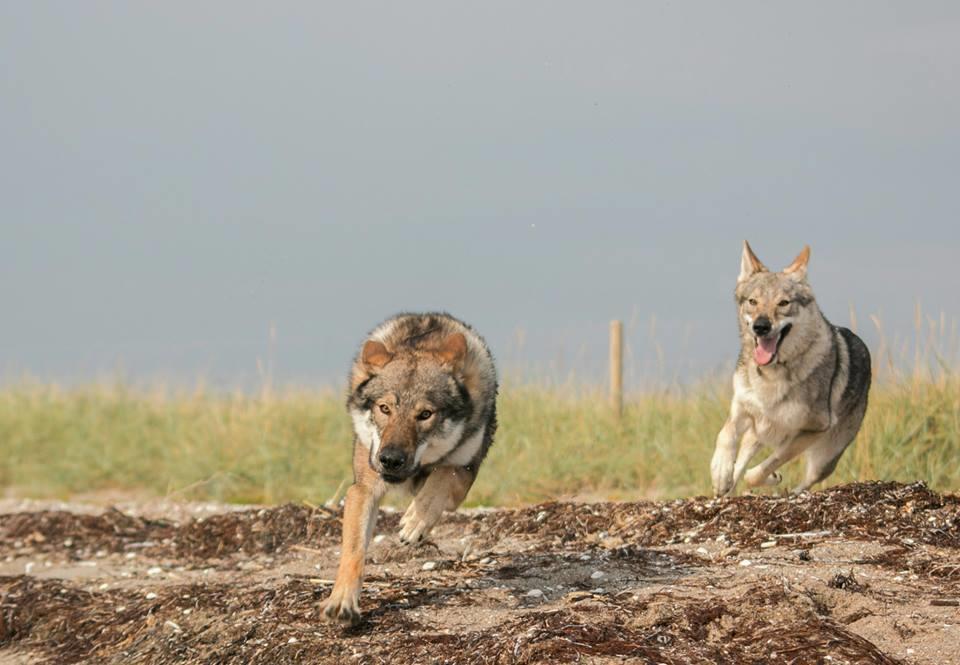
762,326
395,464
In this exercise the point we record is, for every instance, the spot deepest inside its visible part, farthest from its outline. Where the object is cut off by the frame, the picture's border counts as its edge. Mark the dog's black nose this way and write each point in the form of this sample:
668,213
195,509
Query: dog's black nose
392,458
762,326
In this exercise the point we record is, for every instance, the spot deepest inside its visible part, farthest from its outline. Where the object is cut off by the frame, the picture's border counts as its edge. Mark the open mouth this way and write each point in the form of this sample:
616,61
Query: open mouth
767,347
394,479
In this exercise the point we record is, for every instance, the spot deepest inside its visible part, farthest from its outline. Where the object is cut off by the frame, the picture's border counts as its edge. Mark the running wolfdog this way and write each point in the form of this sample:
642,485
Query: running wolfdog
423,401
800,385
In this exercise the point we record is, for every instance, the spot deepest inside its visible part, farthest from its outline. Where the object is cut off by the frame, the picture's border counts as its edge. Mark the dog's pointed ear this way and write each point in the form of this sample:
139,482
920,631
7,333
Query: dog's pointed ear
375,354
749,263
798,269
453,349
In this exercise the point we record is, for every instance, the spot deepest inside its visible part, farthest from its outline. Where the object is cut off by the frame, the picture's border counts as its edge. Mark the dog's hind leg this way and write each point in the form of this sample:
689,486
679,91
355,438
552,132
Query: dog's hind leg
444,489
822,458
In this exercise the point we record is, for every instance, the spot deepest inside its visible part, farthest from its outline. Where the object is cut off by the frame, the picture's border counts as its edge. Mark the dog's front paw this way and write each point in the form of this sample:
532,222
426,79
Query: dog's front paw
343,607
413,529
417,522
721,471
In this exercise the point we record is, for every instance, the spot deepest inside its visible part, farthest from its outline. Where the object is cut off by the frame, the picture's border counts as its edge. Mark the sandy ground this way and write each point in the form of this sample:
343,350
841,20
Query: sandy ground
866,573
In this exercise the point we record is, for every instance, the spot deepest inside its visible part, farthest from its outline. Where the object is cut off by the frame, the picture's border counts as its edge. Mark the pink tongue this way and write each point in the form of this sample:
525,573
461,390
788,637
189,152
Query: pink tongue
766,347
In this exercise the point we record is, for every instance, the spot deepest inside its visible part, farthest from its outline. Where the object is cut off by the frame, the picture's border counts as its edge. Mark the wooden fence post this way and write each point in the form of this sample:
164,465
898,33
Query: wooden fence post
616,367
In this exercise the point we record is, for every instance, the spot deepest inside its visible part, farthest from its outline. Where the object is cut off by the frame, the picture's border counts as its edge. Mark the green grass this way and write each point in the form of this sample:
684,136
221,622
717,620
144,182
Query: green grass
551,443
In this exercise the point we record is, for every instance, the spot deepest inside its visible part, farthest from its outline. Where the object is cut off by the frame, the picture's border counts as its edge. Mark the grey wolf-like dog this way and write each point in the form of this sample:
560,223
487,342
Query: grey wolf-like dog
800,386
423,391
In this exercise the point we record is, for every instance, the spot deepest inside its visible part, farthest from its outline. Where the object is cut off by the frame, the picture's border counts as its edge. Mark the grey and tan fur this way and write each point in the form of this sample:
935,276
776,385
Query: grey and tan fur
422,398
800,386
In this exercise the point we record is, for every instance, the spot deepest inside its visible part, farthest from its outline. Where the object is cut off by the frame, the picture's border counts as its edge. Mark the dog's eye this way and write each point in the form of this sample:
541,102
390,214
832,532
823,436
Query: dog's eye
425,414
752,301
384,409
783,303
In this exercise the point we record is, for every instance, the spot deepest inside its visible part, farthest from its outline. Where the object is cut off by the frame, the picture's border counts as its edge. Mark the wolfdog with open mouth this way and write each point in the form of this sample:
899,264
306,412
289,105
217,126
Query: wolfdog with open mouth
800,385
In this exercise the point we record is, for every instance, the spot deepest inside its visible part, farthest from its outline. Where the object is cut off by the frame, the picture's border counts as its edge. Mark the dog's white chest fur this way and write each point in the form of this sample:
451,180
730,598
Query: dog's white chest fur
770,405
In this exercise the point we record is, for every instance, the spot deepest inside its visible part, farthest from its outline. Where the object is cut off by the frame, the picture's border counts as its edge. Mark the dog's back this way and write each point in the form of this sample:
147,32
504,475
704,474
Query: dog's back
851,405
854,397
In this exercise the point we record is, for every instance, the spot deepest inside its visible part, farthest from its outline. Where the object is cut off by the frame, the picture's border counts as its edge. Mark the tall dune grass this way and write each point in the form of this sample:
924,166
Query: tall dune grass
553,441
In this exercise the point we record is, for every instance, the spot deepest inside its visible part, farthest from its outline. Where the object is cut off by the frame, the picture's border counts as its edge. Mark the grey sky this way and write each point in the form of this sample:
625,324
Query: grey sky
175,177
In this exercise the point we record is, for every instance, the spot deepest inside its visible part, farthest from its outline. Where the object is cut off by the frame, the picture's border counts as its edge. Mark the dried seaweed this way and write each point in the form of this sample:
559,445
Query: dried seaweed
863,511
250,619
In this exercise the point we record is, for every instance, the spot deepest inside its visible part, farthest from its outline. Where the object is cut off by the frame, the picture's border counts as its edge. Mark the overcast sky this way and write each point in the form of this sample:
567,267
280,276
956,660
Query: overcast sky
176,178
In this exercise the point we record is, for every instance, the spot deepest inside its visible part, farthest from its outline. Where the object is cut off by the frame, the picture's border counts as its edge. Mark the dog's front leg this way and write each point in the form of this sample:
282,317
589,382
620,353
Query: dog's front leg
725,453
444,489
359,520
791,445
749,445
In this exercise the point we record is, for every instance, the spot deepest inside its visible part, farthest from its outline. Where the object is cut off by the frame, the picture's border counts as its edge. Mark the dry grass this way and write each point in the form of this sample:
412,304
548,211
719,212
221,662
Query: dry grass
552,442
